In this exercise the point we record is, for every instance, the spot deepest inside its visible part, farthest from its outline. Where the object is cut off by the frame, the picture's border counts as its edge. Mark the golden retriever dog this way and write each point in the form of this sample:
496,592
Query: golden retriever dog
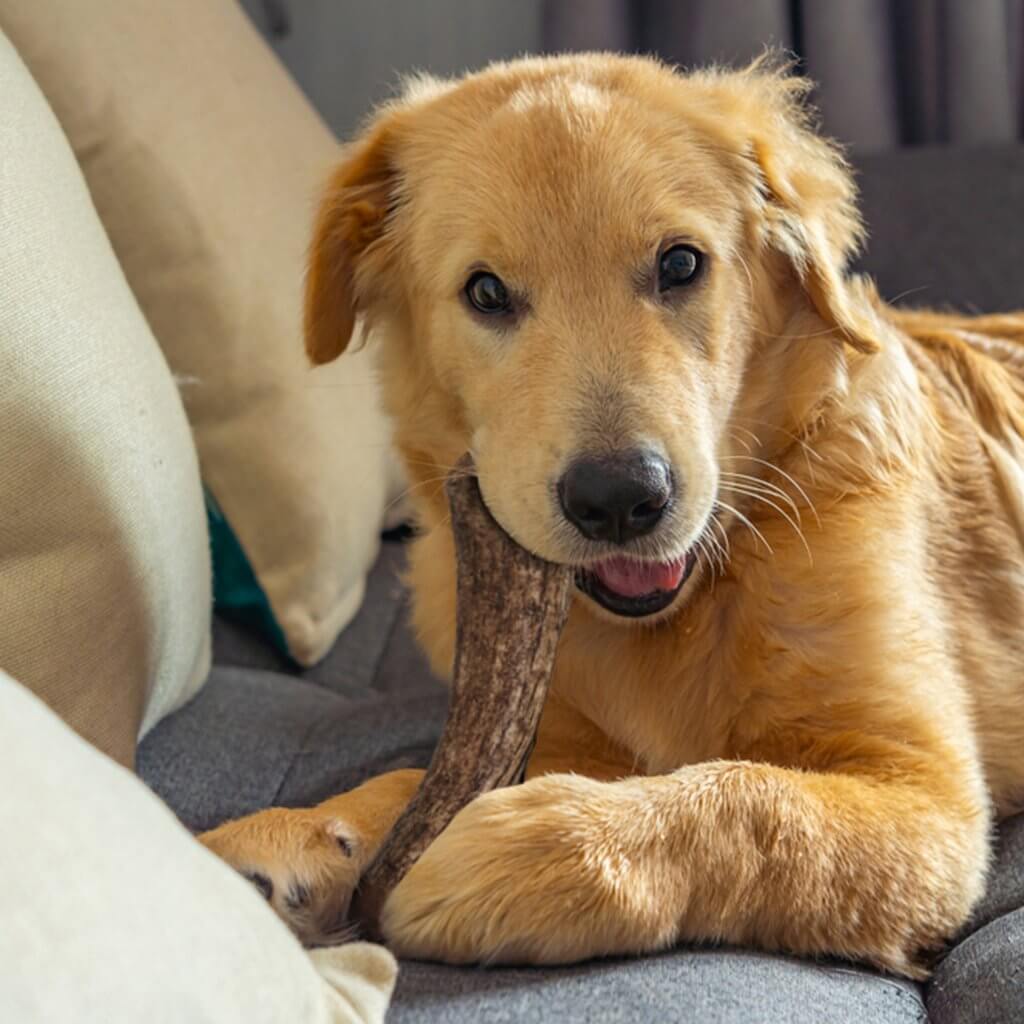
788,706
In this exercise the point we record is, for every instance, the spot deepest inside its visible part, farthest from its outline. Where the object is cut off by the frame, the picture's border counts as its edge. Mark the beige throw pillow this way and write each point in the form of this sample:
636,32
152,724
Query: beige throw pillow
113,914
104,560
204,161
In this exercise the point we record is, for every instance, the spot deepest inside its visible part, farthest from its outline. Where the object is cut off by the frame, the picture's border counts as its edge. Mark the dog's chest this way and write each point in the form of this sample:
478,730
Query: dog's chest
668,695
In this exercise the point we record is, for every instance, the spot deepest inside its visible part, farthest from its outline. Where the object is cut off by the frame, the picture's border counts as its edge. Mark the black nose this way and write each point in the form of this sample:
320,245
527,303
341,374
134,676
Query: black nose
616,497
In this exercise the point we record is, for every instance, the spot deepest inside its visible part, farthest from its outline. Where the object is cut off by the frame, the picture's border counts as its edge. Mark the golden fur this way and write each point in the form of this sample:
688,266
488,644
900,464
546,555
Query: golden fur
808,749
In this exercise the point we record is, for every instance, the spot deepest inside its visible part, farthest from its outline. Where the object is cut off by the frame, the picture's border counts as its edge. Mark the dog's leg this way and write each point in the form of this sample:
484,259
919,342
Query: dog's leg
875,862
308,861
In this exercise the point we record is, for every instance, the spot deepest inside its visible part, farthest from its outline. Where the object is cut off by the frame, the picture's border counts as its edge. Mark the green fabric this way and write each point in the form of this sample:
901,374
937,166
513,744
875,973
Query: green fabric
236,591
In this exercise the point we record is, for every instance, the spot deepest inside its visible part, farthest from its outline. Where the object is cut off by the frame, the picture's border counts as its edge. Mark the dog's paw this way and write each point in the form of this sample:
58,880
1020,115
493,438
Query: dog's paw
305,863
537,873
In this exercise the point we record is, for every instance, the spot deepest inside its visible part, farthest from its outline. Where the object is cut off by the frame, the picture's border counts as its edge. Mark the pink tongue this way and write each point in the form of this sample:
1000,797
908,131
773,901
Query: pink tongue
629,578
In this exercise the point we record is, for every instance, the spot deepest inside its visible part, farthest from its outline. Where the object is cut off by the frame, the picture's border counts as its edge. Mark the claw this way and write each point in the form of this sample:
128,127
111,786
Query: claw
262,883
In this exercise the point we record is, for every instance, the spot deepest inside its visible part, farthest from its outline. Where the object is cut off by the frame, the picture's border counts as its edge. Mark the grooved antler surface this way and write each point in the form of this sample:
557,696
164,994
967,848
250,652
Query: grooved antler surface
511,608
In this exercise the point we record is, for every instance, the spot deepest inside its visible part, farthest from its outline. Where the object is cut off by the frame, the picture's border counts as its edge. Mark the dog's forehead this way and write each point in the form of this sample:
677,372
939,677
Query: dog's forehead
577,101
567,160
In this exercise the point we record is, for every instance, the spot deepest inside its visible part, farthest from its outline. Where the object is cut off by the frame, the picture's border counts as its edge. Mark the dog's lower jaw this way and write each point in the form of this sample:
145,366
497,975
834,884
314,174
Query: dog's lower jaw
643,606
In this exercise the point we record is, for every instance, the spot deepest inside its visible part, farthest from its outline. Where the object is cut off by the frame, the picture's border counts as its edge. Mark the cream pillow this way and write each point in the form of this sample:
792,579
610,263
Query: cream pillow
204,161
113,914
104,561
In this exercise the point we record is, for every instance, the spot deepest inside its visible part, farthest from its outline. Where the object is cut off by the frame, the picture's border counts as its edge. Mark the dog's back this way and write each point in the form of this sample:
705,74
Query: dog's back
973,368
982,357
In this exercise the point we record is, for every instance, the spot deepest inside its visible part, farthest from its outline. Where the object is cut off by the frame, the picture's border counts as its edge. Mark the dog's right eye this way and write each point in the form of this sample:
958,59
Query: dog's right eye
678,266
487,293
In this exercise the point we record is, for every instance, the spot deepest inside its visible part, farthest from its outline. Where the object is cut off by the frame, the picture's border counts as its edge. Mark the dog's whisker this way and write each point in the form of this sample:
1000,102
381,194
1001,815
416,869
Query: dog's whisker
724,543
746,522
411,489
778,469
906,292
702,553
711,549
806,449
721,548
445,473
755,486
749,433
762,485
439,467
424,483
744,444
739,489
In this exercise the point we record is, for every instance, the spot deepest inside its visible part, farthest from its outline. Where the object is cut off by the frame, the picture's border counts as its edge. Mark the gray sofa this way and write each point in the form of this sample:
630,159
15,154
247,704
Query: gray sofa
947,227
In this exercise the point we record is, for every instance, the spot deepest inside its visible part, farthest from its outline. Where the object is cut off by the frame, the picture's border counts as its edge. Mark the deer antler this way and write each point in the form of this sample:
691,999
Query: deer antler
511,609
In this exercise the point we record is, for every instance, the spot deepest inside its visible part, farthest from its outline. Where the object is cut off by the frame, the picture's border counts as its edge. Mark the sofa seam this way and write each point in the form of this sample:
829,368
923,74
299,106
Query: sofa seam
294,761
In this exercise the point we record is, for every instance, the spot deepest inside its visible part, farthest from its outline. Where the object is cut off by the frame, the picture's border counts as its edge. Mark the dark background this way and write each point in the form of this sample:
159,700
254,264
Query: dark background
890,72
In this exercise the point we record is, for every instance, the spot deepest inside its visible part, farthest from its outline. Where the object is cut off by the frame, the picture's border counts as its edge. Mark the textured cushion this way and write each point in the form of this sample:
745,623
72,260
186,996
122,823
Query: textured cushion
688,987
981,980
256,739
204,160
104,563
1005,890
112,914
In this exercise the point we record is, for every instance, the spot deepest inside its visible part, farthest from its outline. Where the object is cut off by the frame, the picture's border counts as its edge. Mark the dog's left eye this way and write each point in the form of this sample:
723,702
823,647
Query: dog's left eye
678,266
487,293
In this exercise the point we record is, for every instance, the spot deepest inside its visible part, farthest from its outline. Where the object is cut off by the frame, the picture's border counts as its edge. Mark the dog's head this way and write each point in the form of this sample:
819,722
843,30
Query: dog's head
587,270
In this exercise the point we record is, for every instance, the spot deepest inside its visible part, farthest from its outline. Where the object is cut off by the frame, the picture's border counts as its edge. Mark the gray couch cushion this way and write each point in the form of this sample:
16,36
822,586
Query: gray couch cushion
365,653
690,987
252,739
1005,891
981,981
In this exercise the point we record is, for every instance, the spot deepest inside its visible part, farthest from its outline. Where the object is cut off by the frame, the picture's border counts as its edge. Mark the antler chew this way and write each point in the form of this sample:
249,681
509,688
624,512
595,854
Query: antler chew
511,608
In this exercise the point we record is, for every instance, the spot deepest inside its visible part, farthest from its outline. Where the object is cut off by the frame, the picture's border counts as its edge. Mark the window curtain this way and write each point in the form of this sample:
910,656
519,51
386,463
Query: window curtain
888,72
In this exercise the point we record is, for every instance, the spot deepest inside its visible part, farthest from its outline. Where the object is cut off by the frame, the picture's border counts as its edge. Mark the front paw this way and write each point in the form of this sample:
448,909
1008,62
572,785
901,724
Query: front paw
547,872
304,863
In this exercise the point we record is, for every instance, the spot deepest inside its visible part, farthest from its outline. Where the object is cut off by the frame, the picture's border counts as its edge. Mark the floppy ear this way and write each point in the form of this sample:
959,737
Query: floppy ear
805,196
351,220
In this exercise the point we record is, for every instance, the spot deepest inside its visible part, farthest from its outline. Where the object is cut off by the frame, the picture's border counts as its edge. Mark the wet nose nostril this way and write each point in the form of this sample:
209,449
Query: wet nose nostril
647,509
616,497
